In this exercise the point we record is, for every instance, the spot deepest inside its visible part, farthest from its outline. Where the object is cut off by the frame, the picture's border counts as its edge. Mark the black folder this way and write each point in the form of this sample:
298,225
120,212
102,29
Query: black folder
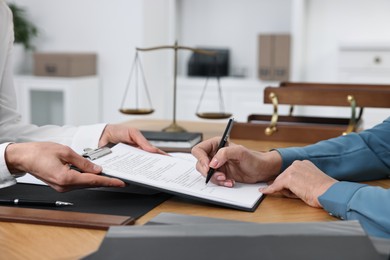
92,208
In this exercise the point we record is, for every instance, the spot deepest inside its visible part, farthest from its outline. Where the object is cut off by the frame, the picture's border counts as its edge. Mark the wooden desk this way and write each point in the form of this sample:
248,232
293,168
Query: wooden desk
27,241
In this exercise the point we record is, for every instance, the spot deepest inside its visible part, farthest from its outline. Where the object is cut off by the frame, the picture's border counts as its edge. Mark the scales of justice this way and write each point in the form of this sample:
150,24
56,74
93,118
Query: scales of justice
137,72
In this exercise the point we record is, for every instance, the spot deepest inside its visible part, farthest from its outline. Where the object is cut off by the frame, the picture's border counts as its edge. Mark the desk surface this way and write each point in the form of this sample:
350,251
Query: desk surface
28,241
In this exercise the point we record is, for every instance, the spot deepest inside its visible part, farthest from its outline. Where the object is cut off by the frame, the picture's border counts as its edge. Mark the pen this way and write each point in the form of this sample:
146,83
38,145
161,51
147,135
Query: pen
222,143
27,202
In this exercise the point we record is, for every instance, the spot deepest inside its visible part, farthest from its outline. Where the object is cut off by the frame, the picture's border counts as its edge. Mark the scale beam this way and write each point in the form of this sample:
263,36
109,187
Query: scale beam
174,127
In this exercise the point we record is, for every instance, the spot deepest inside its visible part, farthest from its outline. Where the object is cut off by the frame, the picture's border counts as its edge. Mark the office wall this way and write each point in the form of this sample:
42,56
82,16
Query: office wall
332,23
113,28
231,24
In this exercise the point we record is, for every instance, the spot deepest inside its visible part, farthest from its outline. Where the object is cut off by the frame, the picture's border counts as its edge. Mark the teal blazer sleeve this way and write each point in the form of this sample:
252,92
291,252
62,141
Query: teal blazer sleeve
360,156
354,157
370,205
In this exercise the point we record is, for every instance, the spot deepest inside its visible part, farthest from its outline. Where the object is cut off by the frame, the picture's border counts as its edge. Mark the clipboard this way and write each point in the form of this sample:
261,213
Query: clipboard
182,179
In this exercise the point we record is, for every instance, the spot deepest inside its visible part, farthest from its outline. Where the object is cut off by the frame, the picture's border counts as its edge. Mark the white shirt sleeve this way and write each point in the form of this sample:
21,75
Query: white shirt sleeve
6,179
11,130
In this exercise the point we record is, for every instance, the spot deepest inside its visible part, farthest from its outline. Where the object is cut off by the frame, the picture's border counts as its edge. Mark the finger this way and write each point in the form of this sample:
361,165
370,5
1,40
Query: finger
143,143
277,186
220,179
71,157
85,165
227,183
157,150
120,133
92,180
67,179
206,148
136,137
203,160
284,192
219,176
225,154
219,159
288,194
152,149
88,180
268,190
202,167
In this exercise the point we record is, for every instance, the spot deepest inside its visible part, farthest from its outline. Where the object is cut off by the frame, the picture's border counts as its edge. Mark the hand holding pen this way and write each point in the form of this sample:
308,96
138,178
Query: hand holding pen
222,143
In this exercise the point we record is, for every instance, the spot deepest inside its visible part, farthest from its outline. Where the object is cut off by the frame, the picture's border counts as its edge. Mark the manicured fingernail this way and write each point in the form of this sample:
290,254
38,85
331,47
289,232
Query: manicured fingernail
228,184
97,168
221,178
214,163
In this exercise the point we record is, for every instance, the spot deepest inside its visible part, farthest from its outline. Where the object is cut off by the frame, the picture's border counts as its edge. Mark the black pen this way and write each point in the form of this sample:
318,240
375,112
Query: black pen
27,202
222,143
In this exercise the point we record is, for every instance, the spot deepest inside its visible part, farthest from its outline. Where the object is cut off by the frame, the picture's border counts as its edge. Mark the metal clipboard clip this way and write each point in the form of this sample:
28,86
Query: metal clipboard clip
94,154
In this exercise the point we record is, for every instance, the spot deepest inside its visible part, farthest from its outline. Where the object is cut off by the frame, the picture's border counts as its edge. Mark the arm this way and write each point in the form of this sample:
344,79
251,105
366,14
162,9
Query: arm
345,200
370,205
355,157
11,130
78,138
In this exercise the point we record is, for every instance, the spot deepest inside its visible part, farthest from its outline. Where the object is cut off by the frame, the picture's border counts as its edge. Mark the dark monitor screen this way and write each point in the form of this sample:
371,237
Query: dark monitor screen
207,65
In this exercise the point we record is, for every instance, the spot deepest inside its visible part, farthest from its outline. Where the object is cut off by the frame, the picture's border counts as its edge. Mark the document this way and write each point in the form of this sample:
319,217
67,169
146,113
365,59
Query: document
175,175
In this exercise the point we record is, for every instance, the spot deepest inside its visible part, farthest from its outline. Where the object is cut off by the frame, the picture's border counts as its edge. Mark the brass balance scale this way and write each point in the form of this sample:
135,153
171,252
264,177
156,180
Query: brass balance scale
137,70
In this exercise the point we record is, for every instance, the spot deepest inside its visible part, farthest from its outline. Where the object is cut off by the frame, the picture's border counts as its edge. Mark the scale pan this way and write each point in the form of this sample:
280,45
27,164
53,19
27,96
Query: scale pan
136,111
213,115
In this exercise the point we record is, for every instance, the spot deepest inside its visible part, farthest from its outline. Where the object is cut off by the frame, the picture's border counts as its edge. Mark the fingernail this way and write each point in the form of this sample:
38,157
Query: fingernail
214,163
97,168
228,184
221,178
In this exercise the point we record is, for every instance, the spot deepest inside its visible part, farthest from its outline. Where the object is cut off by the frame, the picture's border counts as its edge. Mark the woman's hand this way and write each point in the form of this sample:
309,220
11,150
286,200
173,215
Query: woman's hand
301,180
120,133
235,163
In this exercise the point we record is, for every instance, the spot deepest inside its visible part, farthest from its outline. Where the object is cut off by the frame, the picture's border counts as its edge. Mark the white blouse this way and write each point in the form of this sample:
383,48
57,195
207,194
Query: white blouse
11,130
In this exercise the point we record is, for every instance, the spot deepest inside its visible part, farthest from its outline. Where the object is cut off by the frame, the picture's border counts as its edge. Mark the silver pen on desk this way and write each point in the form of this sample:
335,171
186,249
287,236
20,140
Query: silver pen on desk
27,202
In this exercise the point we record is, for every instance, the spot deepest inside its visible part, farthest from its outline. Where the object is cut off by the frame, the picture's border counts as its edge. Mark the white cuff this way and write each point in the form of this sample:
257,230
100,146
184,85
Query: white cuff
6,178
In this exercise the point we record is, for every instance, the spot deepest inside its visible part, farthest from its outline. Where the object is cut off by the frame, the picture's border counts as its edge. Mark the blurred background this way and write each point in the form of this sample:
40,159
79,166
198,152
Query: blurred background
330,41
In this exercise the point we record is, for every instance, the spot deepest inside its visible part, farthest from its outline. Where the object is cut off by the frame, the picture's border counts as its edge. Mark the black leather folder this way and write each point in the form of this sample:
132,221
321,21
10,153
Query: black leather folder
92,208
